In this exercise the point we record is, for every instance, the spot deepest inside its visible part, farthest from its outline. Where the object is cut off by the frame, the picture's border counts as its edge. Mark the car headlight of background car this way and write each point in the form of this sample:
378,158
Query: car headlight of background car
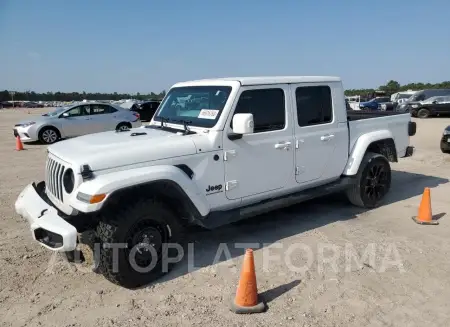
414,106
446,131
27,124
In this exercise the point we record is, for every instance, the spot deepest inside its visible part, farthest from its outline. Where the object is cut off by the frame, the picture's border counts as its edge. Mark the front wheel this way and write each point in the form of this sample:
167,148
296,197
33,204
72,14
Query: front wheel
49,135
423,113
373,181
139,244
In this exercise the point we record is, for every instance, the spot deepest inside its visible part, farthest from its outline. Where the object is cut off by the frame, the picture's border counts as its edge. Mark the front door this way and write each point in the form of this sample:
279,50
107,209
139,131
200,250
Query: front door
262,161
442,106
321,140
77,123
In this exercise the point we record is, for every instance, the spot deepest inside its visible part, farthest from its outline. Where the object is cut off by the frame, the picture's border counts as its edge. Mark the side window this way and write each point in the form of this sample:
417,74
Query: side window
78,111
99,109
267,107
314,105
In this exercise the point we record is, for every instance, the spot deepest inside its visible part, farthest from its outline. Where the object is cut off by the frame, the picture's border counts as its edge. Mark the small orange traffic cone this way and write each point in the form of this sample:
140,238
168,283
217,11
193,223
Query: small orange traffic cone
425,216
19,145
247,299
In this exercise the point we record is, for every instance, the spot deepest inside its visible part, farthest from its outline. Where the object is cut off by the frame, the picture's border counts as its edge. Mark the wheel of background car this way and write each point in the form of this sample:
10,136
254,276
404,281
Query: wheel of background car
423,113
49,135
123,127
372,182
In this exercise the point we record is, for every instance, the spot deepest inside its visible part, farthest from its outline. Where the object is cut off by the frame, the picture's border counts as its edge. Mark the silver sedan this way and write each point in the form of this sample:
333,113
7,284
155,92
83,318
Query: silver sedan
76,120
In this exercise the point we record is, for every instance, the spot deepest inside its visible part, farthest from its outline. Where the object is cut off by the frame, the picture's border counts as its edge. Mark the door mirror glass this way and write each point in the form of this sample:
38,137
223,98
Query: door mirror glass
243,124
65,115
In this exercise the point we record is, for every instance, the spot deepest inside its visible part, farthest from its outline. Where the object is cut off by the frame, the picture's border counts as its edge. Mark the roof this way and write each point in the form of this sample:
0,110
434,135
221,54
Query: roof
264,80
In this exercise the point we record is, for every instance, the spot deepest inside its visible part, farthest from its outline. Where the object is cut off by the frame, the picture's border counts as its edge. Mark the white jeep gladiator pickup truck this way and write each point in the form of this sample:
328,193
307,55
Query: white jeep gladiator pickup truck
216,151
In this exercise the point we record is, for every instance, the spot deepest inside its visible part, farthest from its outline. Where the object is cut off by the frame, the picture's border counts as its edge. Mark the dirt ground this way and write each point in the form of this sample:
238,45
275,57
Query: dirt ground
39,289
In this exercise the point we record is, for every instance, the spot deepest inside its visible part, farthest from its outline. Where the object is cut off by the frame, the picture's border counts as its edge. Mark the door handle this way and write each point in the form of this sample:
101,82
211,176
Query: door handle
284,145
326,137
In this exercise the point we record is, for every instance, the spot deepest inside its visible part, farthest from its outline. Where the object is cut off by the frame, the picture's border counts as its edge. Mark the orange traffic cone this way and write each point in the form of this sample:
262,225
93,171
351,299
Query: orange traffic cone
247,299
425,216
19,145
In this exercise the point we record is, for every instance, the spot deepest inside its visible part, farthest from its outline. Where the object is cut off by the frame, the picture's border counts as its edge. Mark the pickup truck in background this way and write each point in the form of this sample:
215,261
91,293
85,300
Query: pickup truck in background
238,148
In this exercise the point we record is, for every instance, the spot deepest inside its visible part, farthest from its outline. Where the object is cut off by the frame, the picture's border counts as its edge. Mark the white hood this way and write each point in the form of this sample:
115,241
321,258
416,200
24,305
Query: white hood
114,149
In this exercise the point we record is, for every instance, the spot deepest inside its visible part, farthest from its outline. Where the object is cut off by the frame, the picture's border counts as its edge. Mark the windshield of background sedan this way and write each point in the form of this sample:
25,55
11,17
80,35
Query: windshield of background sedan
198,105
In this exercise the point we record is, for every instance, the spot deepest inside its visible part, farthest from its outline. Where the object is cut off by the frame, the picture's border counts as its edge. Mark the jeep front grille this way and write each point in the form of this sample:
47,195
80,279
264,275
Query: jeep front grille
54,178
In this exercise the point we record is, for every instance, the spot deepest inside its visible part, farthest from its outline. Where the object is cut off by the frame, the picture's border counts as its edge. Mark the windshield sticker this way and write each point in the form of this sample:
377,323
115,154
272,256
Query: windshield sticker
208,114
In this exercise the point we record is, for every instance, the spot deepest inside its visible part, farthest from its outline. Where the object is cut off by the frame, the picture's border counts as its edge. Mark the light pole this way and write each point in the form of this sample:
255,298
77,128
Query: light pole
12,96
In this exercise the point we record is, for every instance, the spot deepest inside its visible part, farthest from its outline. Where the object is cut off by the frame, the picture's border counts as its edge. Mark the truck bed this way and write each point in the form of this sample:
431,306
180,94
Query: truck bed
353,115
395,125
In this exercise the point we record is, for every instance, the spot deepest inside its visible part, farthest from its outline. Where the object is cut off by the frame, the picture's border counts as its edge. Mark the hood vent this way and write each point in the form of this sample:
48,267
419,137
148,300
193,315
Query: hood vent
138,134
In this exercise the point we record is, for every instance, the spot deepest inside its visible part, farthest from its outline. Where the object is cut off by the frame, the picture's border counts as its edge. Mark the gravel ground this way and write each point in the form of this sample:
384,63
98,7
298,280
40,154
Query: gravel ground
405,283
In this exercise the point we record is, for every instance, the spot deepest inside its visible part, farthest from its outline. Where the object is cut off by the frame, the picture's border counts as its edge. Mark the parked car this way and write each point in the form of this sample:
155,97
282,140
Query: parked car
147,109
76,120
420,96
32,104
374,104
445,140
249,151
433,106
6,104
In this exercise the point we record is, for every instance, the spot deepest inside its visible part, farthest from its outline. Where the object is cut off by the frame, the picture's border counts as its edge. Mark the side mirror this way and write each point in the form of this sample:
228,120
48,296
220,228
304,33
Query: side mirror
242,124
434,102
65,115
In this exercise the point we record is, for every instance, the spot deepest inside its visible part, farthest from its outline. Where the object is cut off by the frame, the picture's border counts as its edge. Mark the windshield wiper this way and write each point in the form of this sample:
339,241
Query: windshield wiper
164,120
185,125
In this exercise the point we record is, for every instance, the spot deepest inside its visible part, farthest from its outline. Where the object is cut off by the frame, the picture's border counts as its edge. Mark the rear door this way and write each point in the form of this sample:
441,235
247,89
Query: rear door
321,140
103,118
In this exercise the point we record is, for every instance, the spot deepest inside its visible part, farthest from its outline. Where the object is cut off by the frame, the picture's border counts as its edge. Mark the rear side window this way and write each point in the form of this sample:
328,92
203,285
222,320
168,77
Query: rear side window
267,107
98,109
314,105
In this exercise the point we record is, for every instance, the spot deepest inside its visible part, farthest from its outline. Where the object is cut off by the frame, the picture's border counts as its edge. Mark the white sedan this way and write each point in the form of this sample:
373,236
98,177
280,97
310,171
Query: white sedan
76,120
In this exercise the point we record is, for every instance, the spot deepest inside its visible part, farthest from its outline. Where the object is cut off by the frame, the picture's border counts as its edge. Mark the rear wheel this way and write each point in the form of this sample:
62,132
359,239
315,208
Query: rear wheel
123,126
423,113
373,181
49,135
135,242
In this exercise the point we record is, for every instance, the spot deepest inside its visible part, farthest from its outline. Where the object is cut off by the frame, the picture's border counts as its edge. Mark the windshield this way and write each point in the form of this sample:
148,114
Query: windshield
57,111
404,96
199,105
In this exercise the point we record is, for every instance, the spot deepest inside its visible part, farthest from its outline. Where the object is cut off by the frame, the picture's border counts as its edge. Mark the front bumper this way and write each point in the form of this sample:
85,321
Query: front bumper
47,226
23,133
445,143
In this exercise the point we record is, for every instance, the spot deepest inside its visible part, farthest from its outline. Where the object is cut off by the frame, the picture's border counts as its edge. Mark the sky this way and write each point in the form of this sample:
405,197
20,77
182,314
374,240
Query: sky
147,45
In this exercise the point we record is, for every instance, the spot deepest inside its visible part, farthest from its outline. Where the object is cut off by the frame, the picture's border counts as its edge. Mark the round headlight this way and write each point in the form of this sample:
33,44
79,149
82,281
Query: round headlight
69,180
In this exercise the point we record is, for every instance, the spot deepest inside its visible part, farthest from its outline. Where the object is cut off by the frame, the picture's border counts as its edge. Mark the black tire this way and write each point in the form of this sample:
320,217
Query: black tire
49,135
123,126
423,113
372,183
445,151
142,221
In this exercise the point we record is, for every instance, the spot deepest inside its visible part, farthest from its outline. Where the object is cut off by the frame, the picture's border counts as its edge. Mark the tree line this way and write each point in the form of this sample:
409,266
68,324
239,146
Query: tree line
7,95
392,87
389,88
